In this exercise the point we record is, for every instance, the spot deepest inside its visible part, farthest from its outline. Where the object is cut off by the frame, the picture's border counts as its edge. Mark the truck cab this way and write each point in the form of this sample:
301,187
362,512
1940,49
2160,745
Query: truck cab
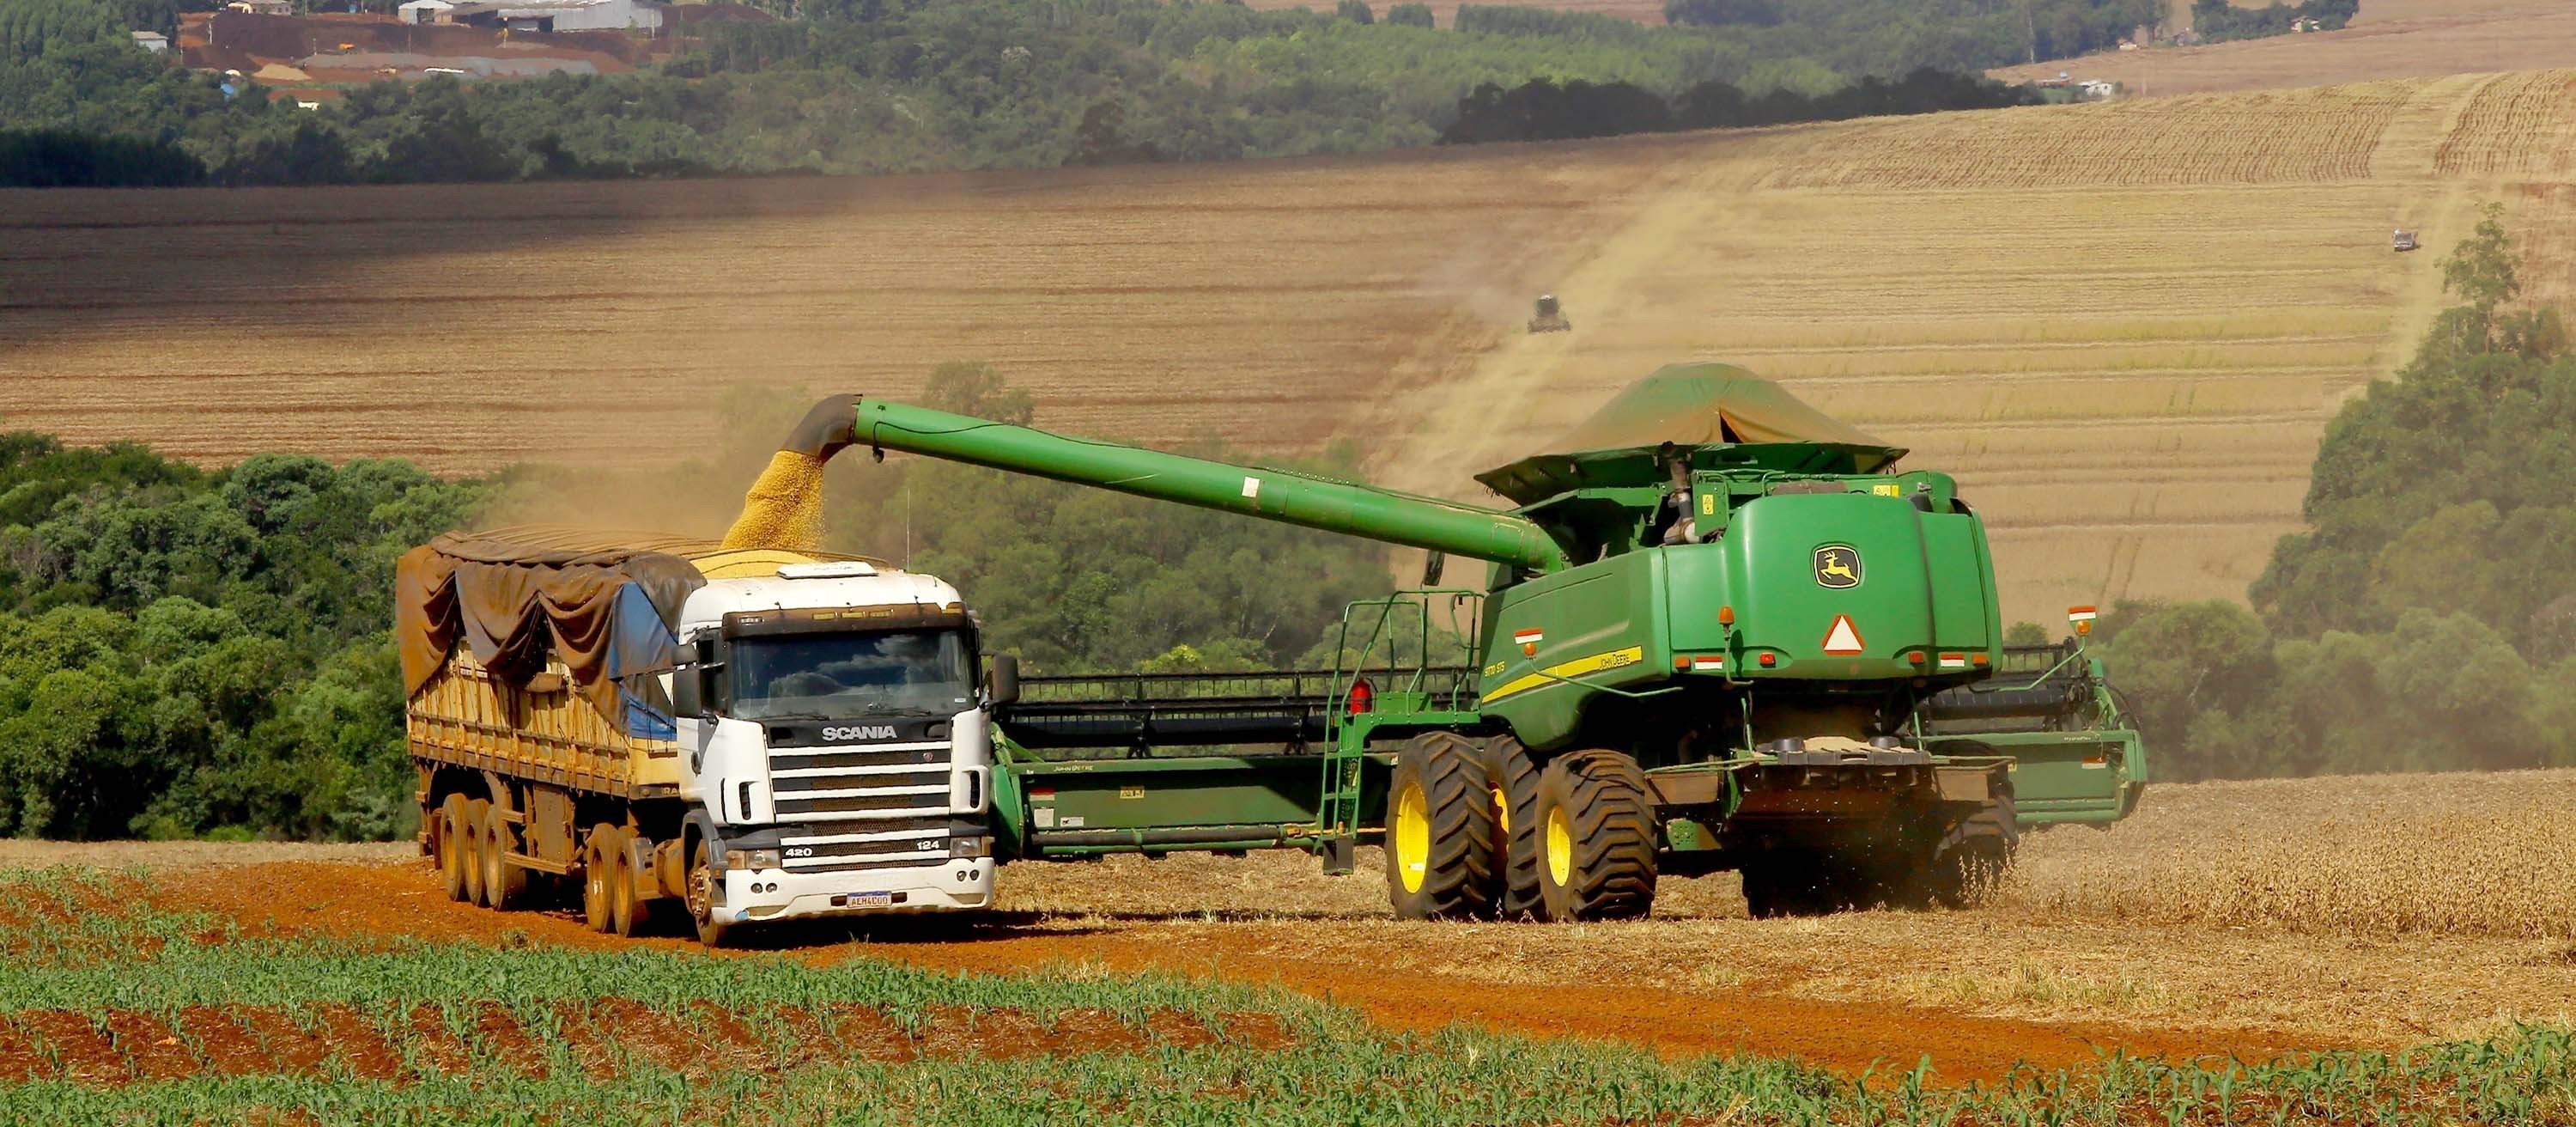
835,748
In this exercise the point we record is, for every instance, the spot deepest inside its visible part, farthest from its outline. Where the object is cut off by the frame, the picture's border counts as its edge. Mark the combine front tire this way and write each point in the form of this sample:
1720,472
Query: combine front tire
1513,778
1440,822
451,835
1597,843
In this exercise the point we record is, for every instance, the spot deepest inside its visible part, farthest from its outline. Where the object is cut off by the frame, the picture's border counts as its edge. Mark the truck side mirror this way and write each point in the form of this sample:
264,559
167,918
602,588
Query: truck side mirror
1003,686
685,698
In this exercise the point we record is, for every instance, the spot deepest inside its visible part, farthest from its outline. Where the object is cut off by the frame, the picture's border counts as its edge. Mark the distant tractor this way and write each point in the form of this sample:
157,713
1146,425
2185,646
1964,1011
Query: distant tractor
1550,318
2402,241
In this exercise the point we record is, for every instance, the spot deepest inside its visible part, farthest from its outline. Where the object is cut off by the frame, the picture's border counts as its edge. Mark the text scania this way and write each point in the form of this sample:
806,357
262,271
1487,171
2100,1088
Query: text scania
860,732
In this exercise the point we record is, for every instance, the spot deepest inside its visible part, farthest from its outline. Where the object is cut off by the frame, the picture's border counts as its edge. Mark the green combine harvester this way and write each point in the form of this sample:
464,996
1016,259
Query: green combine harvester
1720,631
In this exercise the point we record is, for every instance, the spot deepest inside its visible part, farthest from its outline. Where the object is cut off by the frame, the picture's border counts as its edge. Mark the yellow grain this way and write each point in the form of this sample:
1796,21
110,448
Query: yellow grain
784,509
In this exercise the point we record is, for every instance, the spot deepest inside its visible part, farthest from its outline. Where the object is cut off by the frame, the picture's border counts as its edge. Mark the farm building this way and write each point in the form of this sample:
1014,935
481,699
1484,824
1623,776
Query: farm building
262,7
152,41
537,15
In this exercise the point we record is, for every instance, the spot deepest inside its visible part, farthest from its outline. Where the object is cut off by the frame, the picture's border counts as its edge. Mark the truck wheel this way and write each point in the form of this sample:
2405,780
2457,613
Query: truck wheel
1439,831
712,932
1512,777
505,886
1598,847
595,854
450,829
624,914
469,843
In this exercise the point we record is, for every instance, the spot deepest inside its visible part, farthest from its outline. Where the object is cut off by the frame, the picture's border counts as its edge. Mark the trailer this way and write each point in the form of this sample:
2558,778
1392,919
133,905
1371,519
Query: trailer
1710,631
747,735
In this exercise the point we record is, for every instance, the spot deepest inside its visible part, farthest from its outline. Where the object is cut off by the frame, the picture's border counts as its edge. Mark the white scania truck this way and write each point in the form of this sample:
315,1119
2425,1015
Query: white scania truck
749,735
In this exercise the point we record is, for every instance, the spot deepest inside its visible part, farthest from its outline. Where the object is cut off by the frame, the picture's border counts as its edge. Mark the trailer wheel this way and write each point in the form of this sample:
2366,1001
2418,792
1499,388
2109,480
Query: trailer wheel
505,886
1439,831
624,914
712,931
1512,777
595,854
1599,838
469,845
450,829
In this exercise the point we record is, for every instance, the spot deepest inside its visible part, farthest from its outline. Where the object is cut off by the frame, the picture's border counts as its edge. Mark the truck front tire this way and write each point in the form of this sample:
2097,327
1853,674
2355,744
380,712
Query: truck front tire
703,909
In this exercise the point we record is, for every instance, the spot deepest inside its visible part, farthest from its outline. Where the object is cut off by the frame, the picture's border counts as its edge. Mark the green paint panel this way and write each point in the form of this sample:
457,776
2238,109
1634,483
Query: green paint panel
1595,625
1126,794
1798,565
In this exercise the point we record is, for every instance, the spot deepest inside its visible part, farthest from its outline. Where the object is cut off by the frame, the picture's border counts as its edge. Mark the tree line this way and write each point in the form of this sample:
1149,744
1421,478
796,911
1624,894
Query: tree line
1542,110
2217,20
2425,618
867,86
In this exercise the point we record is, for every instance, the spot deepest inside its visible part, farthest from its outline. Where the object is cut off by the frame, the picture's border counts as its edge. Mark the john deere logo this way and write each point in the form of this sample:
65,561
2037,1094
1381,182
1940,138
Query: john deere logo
1837,566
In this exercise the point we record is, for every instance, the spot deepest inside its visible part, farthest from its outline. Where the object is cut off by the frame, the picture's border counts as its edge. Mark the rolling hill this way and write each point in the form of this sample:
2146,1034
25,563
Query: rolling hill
2123,325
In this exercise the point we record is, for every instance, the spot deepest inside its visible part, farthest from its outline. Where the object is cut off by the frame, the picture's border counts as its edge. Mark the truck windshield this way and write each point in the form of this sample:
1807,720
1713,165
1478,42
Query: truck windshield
830,676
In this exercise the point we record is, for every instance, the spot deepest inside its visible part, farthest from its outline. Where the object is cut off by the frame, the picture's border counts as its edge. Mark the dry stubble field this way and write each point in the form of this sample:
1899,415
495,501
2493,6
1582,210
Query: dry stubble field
2389,39
2122,325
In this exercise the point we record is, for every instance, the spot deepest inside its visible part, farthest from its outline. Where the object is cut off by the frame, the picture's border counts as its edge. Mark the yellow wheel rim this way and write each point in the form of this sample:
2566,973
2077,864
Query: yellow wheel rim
1412,837
1502,811
1560,848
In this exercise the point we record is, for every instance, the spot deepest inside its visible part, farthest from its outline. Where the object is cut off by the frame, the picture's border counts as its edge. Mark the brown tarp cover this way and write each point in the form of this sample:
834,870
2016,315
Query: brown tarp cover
510,597
1700,404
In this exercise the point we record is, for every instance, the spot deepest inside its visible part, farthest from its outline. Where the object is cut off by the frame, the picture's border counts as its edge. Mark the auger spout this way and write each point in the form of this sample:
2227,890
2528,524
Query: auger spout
1272,494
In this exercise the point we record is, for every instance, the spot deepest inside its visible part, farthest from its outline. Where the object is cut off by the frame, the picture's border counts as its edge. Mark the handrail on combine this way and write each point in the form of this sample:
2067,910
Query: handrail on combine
1418,602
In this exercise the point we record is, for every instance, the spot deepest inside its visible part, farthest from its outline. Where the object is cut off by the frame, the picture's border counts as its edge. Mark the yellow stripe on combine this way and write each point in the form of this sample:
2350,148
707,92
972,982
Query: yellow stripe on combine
1555,674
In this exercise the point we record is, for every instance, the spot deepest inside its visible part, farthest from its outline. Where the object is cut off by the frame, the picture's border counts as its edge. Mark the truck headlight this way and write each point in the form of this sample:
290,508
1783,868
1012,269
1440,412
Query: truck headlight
967,847
751,859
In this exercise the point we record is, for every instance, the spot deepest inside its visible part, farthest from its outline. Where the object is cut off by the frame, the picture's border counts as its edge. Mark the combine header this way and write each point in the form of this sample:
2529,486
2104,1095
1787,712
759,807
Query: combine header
1720,630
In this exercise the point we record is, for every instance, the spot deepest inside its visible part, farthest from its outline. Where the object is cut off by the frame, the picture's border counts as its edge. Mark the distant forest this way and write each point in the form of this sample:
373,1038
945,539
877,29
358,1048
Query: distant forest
859,86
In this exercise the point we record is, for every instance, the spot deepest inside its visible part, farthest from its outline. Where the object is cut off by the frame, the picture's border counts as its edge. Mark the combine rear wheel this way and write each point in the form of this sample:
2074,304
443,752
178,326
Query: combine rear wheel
1440,822
505,885
1512,777
451,834
1597,829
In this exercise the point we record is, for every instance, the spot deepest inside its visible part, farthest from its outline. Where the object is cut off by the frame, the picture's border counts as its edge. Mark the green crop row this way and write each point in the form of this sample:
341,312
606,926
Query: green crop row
513,1034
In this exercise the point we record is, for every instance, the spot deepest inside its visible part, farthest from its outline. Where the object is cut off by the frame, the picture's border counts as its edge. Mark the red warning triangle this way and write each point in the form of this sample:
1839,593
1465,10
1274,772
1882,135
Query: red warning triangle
1844,638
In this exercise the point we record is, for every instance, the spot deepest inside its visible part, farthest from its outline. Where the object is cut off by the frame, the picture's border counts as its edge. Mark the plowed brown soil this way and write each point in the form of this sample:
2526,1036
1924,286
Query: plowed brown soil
1393,983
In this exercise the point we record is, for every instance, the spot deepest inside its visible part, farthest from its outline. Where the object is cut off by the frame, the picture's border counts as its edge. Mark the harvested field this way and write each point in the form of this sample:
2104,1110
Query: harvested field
1445,12
2122,325
2389,39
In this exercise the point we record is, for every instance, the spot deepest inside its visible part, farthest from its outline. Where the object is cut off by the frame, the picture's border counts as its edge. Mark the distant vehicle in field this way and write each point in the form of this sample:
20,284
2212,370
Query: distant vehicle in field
1550,318
2402,241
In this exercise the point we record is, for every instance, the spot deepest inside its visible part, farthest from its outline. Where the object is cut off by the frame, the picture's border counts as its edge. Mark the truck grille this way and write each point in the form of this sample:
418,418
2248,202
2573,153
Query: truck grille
889,843
815,784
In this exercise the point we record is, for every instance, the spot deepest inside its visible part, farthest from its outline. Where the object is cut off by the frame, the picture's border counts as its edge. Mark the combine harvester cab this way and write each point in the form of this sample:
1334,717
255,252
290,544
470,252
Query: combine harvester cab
1707,640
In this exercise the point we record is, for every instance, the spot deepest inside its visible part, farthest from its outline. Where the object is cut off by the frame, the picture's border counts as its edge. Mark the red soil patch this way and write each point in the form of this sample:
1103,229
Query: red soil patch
1850,1037
75,1047
151,1045
358,1046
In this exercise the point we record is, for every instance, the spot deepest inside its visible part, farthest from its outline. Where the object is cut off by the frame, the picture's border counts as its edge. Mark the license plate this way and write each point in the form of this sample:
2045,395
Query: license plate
872,899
